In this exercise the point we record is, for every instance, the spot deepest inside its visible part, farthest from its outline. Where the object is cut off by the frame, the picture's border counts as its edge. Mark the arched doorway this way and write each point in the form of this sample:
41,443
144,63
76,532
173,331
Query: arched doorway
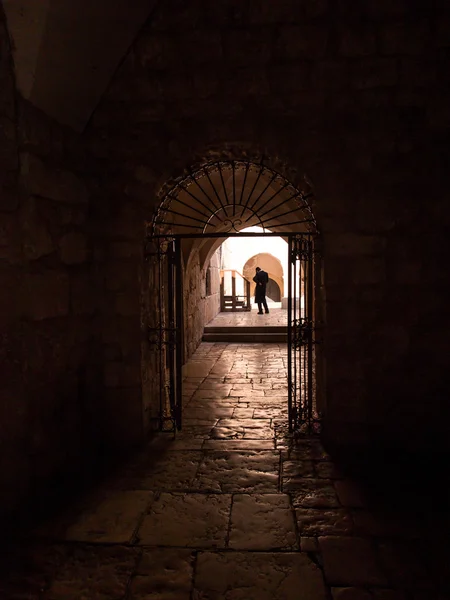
273,267
195,214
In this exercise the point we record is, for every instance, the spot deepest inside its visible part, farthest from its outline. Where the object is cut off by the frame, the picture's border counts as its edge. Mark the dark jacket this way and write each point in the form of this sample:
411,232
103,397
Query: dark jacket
261,278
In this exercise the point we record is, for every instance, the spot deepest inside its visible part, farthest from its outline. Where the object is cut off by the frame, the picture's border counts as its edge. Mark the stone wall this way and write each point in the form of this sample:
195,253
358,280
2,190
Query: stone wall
47,300
200,308
212,301
355,95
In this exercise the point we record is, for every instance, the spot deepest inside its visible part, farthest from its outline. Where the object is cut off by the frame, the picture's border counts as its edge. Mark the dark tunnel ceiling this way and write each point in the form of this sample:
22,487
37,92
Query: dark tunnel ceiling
66,51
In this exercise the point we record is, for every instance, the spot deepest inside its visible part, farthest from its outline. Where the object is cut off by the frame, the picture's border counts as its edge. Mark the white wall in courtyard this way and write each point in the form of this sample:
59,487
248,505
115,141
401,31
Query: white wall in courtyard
237,251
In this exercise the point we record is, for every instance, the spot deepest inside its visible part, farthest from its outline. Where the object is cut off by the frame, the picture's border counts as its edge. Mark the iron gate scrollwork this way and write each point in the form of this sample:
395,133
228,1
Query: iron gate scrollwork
165,330
303,416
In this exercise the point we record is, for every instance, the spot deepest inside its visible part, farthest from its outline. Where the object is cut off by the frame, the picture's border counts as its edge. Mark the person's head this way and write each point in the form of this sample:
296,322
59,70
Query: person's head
258,269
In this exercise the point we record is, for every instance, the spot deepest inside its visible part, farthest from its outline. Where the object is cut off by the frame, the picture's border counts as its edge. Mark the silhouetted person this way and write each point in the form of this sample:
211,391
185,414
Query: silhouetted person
261,278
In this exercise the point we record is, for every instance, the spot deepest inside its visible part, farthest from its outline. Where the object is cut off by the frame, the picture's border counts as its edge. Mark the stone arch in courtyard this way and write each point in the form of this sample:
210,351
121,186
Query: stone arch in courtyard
269,263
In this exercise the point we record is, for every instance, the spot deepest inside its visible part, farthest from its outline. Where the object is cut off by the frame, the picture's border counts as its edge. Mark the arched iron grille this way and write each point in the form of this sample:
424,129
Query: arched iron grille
230,195
218,200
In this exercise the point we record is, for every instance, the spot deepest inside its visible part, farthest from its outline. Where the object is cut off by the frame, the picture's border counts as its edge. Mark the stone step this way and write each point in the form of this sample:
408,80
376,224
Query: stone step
237,337
247,329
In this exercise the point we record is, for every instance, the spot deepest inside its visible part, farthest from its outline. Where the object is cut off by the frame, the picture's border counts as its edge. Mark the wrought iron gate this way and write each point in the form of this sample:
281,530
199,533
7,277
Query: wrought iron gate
165,334
220,199
165,331
303,416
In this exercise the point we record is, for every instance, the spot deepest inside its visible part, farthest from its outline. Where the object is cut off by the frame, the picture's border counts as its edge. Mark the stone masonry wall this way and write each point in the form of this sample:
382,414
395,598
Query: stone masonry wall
212,302
46,296
355,95
199,308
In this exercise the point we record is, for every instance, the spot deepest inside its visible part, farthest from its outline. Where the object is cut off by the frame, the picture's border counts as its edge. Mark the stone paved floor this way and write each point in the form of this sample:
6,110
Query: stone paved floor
276,316
232,510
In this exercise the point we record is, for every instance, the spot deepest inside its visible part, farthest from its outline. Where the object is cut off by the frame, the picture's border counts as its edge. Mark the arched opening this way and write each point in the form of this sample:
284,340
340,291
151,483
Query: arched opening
197,213
275,263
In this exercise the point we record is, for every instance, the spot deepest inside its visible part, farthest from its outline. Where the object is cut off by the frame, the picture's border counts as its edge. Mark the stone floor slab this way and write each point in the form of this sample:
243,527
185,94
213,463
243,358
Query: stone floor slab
325,521
298,469
163,574
187,520
368,549
262,522
227,433
174,471
113,520
311,493
94,572
259,433
239,472
257,576
236,444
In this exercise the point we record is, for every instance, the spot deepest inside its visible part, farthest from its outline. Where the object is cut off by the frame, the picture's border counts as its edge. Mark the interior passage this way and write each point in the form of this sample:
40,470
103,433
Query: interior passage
234,508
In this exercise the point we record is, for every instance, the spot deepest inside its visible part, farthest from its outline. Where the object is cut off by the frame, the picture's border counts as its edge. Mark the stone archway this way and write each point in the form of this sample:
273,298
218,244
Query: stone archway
237,190
200,209
273,267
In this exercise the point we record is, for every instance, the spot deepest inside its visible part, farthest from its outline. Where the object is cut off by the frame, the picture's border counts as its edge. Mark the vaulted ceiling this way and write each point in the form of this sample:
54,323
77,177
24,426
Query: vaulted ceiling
66,51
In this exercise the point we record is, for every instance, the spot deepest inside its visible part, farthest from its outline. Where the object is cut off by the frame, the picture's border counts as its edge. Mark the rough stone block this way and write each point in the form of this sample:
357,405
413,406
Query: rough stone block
82,294
73,248
417,72
375,72
438,113
351,244
320,522
289,79
382,9
7,97
72,215
121,275
188,520
36,238
101,572
124,249
34,130
8,144
278,576
118,374
113,519
10,243
262,522
403,39
126,304
312,493
302,42
247,46
41,179
46,295
9,198
443,33
164,573
331,74
357,41
123,418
